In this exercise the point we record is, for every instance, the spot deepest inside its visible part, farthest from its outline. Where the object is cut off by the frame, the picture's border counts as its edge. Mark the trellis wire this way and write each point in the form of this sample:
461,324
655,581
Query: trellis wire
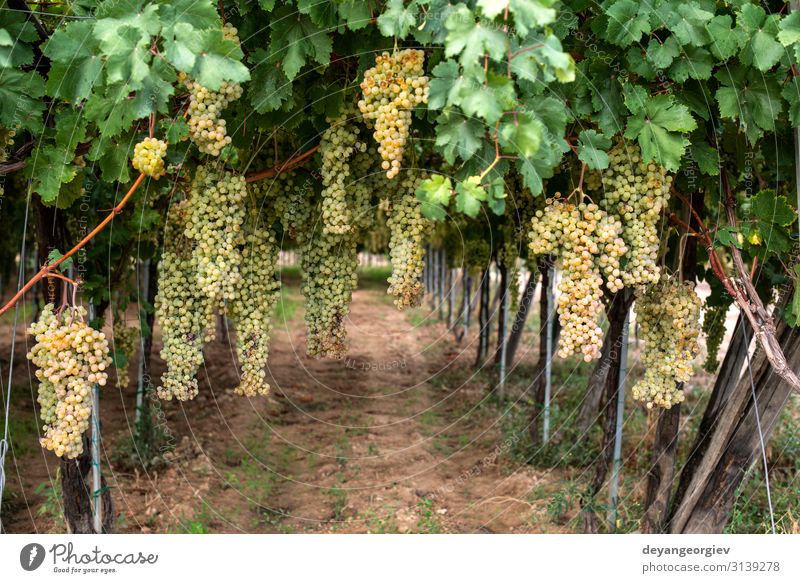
7,401
145,271
504,344
760,433
548,361
617,463
97,500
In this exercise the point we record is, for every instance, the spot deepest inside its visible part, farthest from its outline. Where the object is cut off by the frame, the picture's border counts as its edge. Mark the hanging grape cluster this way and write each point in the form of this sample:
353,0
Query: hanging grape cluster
668,314
207,129
125,341
636,193
337,147
148,157
70,357
252,307
181,309
588,245
391,89
714,329
407,229
216,213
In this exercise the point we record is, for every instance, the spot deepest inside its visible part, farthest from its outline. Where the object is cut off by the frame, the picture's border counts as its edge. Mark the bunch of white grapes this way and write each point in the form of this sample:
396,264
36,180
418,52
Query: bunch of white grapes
391,88
125,341
329,264
70,357
407,229
181,309
216,213
148,157
292,203
252,307
338,145
668,313
588,245
207,129
636,193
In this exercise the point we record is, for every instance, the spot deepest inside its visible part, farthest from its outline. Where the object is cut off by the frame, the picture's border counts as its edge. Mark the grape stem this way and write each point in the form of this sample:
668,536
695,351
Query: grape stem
742,290
751,304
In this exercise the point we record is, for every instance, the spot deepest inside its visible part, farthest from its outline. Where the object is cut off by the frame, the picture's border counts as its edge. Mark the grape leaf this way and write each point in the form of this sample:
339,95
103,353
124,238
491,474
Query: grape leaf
694,63
706,157
749,98
70,129
20,94
790,30
397,19
769,208
458,135
626,22
592,148
661,54
295,39
76,62
434,193
659,128
469,194
488,100
521,136
471,39
49,168
356,14
725,40
269,88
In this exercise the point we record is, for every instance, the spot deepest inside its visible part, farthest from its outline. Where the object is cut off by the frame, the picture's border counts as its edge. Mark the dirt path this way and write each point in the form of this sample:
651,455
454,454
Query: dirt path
396,438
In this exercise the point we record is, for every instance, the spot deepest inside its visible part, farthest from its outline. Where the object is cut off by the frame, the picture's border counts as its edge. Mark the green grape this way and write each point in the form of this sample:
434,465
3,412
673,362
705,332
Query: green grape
182,310
125,342
216,212
148,157
587,244
70,357
668,314
338,145
252,308
636,193
391,89
407,229
714,329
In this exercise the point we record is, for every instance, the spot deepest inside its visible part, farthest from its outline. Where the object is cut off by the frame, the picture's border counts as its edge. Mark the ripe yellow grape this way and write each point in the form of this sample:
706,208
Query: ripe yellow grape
668,313
391,89
148,157
70,358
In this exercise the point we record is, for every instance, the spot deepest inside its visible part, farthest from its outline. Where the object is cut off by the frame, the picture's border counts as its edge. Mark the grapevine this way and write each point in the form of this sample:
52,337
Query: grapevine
70,357
391,89
668,313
